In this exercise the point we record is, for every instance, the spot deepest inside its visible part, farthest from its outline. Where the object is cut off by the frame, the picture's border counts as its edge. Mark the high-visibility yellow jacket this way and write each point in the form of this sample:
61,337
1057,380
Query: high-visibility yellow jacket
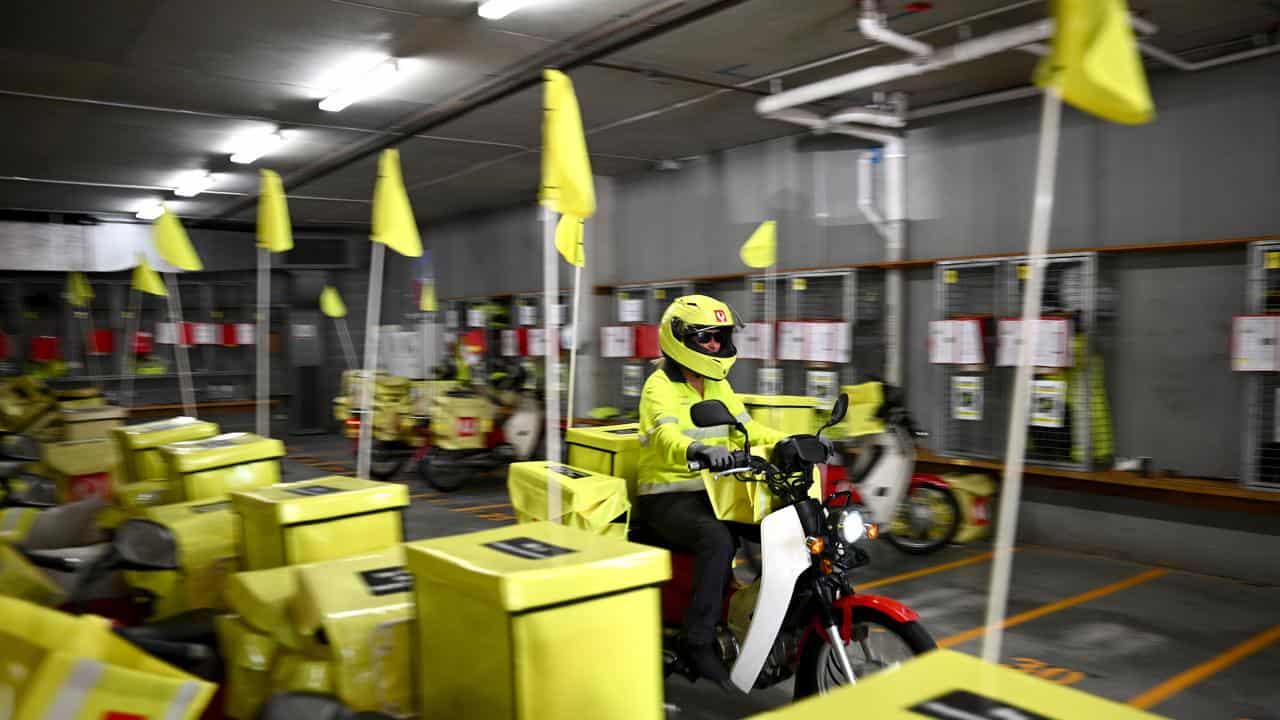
666,430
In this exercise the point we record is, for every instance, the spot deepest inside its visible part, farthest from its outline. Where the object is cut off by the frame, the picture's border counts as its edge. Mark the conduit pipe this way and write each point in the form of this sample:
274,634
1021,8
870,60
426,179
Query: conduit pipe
962,52
1174,61
868,117
871,23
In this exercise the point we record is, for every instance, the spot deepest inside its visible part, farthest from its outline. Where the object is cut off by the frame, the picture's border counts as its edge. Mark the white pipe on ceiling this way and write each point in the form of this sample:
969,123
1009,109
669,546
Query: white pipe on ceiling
869,77
871,23
1174,61
868,117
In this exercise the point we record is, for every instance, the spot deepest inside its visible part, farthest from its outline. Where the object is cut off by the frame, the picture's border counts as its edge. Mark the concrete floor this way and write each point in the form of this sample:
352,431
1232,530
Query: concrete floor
1186,646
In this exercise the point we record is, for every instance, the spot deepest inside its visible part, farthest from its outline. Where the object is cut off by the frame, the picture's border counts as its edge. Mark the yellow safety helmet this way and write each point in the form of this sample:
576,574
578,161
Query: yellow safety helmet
684,319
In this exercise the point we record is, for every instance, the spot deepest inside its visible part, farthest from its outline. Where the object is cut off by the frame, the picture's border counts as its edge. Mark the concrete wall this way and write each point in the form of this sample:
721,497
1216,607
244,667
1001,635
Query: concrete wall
1205,169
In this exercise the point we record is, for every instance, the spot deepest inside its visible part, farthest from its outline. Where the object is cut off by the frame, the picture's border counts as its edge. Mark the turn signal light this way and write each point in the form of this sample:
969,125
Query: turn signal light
353,422
873,531
816,545
825,566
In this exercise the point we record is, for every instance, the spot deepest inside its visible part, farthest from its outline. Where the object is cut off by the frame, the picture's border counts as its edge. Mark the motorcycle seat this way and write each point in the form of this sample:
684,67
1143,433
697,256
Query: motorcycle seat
187,627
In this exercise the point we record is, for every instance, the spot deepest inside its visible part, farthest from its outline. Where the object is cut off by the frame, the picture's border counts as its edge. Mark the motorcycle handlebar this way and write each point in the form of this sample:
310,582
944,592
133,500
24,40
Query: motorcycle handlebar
738,460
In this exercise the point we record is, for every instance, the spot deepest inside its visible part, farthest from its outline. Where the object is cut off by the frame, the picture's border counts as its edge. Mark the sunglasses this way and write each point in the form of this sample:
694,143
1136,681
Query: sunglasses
703,337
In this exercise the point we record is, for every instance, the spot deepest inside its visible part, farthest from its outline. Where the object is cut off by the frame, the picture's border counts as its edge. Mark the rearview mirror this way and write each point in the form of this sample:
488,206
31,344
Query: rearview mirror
710,413
145,545
839,410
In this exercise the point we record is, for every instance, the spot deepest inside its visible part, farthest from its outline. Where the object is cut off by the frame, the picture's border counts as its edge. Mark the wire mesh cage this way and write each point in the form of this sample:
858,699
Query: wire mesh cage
1260,466
1069,423
973,400
761,308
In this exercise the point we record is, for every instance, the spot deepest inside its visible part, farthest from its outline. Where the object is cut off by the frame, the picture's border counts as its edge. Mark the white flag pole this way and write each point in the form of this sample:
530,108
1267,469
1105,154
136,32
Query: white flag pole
180,347
373,314
348,347
573,346
1011,487
262,414
550,293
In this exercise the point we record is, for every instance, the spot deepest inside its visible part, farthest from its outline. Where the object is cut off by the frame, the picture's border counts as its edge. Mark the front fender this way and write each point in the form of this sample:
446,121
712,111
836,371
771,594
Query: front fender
846,606
929,480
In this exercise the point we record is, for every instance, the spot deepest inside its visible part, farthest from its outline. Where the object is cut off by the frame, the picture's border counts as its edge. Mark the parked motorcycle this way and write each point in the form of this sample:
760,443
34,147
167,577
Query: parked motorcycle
478,431
787,623
918,513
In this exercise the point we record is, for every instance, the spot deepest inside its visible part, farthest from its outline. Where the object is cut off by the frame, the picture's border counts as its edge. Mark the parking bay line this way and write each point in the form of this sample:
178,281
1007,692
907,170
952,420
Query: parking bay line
1206,669
1054,607
924,571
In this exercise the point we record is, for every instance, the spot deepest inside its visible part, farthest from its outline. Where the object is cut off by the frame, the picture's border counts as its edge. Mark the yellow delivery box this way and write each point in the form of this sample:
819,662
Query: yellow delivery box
589,501
138,444
81,468
90,423
533,621
215,466
363,609
206,537
322,519
788,414
606,449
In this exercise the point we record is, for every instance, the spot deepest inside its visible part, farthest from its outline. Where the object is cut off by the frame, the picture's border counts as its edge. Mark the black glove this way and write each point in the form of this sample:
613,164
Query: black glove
712,457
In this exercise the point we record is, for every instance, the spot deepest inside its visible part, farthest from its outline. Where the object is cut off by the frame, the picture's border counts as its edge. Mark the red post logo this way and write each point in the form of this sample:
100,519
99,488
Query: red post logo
720,316
466,426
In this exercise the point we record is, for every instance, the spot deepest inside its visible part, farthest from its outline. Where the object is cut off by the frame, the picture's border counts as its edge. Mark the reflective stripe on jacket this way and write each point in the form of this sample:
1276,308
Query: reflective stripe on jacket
666,431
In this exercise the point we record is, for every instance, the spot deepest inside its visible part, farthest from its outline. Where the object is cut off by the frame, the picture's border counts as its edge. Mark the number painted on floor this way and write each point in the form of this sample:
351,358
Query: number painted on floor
1045,671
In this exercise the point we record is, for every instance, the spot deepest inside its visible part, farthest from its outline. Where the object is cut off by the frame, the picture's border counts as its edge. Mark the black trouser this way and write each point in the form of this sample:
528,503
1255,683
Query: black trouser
684,521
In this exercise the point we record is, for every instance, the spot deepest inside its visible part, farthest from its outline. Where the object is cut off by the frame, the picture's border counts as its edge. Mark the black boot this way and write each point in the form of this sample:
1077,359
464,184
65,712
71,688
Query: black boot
705,659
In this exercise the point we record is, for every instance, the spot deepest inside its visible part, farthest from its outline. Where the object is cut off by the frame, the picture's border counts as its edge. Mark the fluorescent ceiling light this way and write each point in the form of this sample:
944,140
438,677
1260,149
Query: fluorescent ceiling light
150,211
253,146
192,183
498,9
372,82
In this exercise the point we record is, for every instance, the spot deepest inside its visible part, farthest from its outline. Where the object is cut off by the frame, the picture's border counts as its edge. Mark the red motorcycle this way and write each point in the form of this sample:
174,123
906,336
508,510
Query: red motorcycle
788,622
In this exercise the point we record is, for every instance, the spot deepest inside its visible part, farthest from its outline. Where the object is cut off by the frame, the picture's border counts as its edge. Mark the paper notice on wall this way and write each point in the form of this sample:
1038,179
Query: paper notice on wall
528,314
1254,343
822,384
969,343
1048,403
966,397
246,334
509,341
632,379
617,341
769,381
537,342
754,341
827,342
943,337
791,337
206,334
476,317
166,334
630,310
1053,346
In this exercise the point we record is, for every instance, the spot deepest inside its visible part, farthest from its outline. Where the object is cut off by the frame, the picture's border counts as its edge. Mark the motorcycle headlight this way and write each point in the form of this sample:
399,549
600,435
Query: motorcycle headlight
145,545
849,526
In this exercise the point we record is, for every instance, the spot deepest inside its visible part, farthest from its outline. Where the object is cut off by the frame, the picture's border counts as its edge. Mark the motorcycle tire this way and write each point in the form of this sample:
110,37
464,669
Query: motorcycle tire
385,469
432,471
818,670
934,543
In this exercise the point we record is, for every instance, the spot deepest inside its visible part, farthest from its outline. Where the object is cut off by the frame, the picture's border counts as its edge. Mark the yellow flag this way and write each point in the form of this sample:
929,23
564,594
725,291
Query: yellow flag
566,170
1094,62
79,293
427,297
761,249
274,230
393,223
569,240
331,302
147,280
172,242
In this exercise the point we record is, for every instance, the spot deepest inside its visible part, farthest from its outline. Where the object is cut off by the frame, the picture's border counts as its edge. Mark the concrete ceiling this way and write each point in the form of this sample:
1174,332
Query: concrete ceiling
103,104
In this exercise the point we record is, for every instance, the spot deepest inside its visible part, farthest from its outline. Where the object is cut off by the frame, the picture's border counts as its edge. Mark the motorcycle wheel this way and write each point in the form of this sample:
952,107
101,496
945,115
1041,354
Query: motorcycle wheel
888,644
926,521
435,471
